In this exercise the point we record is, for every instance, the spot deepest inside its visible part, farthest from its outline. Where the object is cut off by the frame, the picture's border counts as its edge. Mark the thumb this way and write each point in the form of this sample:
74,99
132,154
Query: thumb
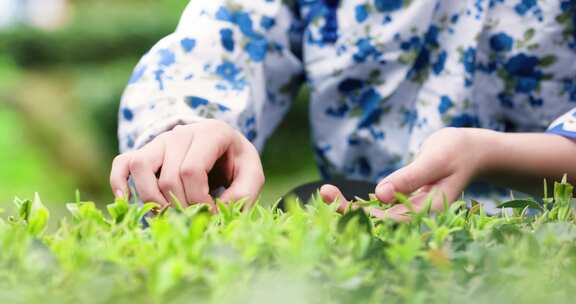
422,172
248,180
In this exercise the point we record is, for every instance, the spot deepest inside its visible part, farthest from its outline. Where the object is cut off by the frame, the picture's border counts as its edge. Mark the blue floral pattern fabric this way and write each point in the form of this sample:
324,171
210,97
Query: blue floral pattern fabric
383,74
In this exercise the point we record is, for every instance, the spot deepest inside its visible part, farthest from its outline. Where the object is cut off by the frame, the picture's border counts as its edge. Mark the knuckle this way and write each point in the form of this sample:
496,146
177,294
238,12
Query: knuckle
215,123
159,139
166,184
136,163
215,139
444,159
224,130
260,178
444,143
146,196
197,199
120,159
408,180
179,128
190,171
182,129
250,146
449,135
243,195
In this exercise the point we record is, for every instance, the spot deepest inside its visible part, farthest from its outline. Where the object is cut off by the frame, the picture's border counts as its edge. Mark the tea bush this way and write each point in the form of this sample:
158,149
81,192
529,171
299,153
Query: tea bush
307,254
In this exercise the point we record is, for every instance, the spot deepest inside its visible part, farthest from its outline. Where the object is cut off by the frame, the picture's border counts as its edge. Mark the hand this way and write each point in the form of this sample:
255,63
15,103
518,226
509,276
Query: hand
188,162
447,162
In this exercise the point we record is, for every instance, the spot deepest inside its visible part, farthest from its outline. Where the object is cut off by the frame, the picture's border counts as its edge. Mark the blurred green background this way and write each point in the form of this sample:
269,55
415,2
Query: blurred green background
59,95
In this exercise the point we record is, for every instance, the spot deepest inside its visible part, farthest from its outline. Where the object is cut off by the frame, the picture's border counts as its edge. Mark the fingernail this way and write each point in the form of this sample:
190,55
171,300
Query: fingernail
385,192
119,194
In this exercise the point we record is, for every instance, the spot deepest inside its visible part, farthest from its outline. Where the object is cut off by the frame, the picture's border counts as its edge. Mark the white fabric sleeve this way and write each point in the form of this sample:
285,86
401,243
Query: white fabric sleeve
231,60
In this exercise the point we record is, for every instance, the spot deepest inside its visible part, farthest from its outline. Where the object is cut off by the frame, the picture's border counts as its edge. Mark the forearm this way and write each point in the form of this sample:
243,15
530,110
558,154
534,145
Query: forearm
522,161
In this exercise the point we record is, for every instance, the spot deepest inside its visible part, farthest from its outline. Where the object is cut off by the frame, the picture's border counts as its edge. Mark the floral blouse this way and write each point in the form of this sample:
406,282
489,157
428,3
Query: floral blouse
383,74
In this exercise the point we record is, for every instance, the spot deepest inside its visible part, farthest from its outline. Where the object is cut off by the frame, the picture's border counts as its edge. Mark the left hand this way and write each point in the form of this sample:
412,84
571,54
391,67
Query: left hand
447,162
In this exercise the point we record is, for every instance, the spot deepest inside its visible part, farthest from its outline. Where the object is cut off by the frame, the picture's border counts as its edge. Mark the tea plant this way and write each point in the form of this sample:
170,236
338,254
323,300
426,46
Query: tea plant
307,254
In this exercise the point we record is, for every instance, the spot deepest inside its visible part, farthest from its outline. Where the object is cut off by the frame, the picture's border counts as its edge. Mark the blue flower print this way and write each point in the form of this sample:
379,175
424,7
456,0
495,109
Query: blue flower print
570,88
329,31
230,73
505,100
501,42
167,57
361,13
523,69
438,66
267,23
365,50
412,43
227,39
370,101
243,20
338,112
195,102
257,49
536,102
139,72
524,6
469,60
431,36
410,118
388,5
257,46
465,121
188,44
445,104
127,114
349,85
249,128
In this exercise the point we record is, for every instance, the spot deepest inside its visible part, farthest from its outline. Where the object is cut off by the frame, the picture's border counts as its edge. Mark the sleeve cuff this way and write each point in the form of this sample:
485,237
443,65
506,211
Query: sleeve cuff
161,127
565,125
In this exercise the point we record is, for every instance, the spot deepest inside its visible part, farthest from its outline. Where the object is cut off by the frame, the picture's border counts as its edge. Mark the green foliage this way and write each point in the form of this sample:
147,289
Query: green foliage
33,213
307,254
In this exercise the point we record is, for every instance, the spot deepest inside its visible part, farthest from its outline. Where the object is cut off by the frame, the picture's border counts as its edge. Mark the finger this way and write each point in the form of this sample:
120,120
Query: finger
248,178
423,171
144,164
376,212
170,183
446,190
330,194
119,176
420,201
202,154
398,213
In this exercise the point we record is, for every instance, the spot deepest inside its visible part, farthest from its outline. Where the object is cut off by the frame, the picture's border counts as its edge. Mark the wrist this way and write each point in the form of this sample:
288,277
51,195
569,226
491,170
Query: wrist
486,147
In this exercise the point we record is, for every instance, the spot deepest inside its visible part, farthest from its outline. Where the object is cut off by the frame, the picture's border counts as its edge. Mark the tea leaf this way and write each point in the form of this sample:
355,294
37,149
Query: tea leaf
520,204
38,216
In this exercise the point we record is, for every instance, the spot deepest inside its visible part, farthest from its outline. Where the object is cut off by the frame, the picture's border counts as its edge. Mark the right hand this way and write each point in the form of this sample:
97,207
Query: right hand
188,162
